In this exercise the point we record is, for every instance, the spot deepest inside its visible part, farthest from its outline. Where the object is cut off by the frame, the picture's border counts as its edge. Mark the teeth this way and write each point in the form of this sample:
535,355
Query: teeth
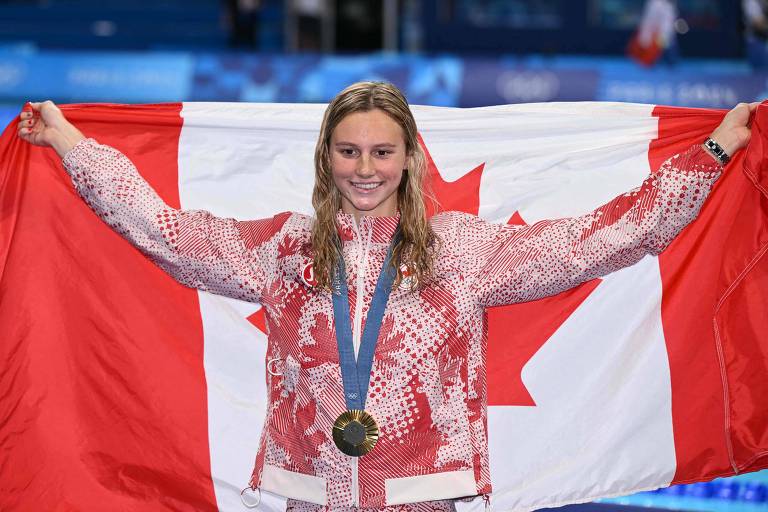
366,186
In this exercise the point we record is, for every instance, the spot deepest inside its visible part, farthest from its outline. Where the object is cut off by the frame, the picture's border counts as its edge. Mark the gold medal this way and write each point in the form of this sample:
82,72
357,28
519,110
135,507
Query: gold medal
355,432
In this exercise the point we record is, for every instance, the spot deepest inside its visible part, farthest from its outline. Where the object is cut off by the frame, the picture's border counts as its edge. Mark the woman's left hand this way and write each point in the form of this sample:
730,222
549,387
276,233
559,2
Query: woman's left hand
733,133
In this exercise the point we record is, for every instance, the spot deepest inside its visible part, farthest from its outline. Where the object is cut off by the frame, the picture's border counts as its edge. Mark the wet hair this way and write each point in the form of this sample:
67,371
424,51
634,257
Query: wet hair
418,242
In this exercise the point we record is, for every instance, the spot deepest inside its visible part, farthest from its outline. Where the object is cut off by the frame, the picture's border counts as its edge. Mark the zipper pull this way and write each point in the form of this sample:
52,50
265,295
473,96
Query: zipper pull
487,500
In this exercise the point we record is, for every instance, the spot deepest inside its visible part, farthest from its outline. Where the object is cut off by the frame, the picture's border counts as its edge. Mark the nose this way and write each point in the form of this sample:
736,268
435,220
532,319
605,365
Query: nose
365,168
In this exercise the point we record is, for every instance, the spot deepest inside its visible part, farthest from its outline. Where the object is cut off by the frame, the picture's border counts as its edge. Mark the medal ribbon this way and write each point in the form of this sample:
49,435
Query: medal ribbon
356,373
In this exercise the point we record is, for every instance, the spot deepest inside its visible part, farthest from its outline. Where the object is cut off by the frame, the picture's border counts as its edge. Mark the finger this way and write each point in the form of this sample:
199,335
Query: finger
30,136
743,107
26,111
35,106
28,127
742,112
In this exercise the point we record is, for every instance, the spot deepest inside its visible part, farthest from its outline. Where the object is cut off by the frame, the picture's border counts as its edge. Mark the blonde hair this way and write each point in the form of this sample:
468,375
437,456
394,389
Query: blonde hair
418,242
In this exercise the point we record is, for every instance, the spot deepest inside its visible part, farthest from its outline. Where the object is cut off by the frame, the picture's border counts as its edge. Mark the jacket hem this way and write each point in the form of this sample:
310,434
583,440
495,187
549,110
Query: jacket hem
294,485
437,486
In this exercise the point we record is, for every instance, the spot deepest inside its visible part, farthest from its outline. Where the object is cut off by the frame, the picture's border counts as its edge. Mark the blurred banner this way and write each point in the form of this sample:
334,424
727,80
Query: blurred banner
95,76
442,81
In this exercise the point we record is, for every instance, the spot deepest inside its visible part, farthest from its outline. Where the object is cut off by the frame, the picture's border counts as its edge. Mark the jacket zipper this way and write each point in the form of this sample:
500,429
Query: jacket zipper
356,334
355,484
361,267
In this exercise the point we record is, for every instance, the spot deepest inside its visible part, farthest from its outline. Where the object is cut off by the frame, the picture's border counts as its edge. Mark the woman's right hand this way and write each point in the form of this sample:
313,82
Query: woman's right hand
43,124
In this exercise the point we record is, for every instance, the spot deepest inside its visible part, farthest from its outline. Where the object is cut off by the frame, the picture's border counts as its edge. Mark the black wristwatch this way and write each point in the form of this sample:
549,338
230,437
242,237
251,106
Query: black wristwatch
717,151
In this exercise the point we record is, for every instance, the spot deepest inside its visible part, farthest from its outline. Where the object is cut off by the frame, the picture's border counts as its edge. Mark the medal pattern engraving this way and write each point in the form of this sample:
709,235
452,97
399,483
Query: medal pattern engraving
355,432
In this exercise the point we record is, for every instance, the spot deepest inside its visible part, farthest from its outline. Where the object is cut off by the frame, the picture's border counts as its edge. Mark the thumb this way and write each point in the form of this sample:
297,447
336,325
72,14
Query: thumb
33,106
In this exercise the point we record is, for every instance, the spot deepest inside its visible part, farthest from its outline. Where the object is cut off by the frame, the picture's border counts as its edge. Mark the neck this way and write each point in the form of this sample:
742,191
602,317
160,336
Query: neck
357,214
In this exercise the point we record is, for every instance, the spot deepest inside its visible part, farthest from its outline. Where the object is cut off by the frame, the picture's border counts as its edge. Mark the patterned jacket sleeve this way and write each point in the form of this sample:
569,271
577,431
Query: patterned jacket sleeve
511,264
223,256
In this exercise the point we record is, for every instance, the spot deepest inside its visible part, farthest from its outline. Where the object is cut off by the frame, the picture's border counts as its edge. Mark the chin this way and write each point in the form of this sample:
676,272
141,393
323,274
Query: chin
364,210
369,208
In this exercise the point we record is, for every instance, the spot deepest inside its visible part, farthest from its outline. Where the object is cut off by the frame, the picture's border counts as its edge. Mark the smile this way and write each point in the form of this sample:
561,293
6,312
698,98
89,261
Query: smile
366,186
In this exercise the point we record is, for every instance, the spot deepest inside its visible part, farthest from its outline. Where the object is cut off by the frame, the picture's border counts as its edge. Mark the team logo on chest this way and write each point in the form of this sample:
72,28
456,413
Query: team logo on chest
409,279
308,275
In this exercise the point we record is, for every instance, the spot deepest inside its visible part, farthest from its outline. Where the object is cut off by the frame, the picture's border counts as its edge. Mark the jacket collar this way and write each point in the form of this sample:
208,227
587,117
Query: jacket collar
382,229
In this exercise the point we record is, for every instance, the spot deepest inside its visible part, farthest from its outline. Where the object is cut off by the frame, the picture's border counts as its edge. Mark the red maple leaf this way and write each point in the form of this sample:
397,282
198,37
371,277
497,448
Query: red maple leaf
515,333
462,195
259,320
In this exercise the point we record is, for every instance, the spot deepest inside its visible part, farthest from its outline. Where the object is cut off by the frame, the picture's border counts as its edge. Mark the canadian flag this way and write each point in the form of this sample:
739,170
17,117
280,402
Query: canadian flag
123,390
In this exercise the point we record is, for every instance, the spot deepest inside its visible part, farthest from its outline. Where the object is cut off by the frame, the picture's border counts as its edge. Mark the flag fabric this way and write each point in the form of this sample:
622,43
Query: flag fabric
122,390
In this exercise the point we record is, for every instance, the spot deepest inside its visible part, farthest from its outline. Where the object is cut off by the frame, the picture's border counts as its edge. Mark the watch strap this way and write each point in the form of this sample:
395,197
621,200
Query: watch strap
717,151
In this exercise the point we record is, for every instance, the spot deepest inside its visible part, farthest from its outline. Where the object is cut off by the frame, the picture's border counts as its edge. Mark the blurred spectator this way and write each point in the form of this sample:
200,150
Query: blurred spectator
243,18
657,29
756,31
359,25
309,24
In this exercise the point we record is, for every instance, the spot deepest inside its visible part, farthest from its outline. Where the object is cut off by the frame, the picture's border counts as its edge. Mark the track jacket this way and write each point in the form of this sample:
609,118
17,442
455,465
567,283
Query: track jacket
427,390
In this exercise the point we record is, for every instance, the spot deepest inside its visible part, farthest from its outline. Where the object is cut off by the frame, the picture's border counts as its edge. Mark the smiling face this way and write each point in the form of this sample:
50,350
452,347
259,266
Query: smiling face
368,155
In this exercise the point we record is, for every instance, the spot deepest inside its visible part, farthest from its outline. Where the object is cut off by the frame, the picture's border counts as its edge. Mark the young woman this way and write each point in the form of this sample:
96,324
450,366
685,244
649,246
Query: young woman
376,386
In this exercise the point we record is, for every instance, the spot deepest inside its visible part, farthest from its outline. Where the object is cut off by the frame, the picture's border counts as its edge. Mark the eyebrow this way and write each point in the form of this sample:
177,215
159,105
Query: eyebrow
380,145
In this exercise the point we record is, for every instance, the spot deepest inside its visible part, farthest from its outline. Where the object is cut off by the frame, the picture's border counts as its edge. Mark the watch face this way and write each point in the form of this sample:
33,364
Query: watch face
716,150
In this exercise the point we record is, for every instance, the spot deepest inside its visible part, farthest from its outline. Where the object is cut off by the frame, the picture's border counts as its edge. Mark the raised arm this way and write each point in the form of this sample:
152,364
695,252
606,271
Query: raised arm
223,256
521,263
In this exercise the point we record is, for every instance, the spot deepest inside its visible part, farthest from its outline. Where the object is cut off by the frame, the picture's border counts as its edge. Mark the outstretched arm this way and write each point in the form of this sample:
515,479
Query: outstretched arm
521,263
199,250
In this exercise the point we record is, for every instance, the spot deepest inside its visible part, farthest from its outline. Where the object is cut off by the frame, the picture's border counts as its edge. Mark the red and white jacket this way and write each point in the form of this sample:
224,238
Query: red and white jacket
428,387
